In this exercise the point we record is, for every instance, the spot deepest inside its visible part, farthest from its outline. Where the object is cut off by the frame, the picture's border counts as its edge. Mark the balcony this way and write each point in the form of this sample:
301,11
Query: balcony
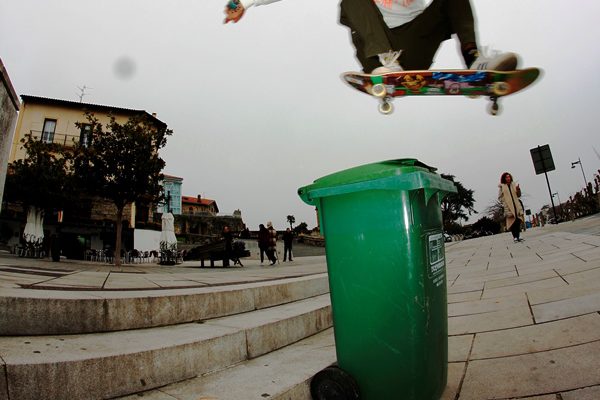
57,138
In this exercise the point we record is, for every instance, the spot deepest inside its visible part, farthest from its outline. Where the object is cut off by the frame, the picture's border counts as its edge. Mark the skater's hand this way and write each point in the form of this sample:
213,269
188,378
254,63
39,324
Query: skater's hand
234,11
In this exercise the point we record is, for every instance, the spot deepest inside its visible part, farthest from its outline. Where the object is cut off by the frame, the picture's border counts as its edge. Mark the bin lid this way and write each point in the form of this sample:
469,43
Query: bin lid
400,174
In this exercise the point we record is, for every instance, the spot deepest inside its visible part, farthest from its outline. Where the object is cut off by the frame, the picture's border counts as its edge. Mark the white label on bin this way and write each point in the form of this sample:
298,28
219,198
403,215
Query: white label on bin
436,258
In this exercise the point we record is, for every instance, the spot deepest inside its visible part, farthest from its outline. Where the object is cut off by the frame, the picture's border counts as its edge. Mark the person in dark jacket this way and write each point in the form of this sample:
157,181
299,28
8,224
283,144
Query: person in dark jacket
263,241
288,239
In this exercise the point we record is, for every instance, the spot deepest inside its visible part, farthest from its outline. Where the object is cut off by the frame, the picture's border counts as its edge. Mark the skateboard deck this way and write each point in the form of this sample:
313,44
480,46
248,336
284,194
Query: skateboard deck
473,83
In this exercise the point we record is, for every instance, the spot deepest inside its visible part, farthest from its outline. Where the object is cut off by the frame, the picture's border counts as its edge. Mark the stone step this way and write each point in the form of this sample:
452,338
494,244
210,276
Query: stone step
283,374
111,364
44,312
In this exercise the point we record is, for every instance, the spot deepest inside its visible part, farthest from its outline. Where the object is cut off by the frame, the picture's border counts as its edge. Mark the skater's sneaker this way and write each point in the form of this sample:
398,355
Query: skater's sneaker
389,63
495,62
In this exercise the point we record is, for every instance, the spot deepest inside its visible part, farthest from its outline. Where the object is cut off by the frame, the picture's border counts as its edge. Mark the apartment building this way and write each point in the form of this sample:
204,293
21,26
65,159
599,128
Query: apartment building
89,223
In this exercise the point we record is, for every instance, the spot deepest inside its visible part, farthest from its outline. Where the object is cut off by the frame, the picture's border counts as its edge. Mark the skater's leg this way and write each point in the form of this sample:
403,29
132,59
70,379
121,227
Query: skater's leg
370,35
421,38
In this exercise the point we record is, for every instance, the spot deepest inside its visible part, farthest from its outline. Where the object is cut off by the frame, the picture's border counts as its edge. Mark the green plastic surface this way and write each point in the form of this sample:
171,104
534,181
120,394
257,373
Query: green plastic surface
385,255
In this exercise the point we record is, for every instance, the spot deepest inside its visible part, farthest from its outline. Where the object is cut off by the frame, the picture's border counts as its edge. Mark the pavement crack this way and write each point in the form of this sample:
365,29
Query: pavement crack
560,276
106,279
530,309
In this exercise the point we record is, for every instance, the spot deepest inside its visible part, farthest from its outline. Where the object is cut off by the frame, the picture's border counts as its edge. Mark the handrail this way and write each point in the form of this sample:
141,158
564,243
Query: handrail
58,138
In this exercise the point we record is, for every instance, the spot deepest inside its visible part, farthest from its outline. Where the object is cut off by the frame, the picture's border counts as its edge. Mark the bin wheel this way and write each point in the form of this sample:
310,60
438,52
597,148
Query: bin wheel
333,383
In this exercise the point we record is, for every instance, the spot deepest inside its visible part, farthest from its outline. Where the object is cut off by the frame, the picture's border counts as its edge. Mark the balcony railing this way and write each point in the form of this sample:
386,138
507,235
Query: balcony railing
58,138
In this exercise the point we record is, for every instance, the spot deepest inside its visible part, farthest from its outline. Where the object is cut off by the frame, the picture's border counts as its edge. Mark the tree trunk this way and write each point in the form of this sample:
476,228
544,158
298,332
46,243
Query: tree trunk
119,230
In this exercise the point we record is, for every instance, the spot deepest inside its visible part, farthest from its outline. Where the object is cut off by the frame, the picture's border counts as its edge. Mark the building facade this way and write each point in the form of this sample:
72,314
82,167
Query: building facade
172,188
89,222
9,107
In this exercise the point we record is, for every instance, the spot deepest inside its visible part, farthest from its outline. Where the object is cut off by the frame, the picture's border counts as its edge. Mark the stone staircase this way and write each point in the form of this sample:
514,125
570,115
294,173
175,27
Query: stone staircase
245,341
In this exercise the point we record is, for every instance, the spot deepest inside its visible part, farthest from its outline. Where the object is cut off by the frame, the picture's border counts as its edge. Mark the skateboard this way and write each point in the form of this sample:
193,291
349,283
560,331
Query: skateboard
472,83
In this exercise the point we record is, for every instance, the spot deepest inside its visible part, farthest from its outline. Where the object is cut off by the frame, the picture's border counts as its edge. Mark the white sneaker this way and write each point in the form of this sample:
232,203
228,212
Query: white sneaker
496,62
389,63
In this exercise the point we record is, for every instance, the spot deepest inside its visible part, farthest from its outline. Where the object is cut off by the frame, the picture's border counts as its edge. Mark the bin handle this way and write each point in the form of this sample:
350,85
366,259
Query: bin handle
413,181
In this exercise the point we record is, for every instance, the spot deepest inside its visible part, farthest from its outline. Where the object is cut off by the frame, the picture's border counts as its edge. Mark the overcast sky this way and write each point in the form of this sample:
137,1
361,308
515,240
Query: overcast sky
258,109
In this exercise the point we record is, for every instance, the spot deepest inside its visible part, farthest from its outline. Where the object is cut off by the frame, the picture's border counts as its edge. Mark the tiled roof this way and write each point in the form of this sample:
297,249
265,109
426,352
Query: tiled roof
85,106
194,200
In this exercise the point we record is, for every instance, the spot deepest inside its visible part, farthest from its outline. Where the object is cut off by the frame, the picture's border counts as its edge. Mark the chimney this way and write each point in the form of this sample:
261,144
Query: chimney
199,198
154,115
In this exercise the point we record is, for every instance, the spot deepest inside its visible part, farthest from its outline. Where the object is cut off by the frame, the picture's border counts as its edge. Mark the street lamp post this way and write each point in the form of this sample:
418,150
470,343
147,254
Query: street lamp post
559,204
573,164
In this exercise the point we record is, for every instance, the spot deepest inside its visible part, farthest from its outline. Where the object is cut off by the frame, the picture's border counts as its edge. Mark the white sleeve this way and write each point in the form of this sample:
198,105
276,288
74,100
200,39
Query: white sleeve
250,3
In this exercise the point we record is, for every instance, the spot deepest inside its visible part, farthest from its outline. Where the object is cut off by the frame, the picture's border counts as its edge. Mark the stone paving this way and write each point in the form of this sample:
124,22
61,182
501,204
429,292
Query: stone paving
524,318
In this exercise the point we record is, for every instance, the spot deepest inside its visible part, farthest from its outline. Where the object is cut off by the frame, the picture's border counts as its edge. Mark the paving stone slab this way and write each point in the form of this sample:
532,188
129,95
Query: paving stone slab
520,280
456,371
582,276
533,374
491,321
461,297
573,290
590,393
475,287
128,282
566,308
78,280
487,305
459,348
573,266
537,338
464,279
523,288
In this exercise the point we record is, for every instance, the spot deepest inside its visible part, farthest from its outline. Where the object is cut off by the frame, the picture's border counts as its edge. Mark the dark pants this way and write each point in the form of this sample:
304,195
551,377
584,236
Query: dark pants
272,254
263,250
515,228
418,39
287,250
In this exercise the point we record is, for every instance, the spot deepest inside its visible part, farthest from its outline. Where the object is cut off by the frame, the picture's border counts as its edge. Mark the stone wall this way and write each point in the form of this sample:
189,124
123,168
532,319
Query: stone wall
9,107
106,210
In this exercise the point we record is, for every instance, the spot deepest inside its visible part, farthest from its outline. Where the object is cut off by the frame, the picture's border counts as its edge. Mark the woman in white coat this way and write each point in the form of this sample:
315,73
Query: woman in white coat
508,195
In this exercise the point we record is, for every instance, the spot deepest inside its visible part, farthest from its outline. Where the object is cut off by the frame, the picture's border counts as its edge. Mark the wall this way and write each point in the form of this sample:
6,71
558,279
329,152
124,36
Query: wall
146,240
32,119
9,107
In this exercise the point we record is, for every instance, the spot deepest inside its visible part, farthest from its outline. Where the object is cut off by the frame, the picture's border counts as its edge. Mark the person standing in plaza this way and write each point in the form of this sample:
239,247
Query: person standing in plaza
228,238
263,242
272,249
288,239
508,195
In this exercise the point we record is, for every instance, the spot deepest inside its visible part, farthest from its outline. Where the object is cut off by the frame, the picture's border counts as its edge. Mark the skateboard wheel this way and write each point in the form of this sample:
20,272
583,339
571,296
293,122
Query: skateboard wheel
378,90
500,88
386,108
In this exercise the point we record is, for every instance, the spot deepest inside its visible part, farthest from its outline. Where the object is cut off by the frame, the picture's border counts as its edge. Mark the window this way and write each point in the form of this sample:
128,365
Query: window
48,132
85,137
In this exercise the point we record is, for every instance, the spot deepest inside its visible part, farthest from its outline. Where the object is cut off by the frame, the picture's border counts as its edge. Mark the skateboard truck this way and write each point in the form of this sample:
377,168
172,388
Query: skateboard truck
385,106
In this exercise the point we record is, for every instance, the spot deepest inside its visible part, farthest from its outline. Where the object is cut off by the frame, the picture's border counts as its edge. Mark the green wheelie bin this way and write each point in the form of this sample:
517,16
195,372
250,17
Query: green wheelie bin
384,243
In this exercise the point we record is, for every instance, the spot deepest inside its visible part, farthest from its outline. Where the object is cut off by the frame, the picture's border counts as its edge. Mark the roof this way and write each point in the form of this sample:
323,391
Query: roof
201,201
86,106
172,177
